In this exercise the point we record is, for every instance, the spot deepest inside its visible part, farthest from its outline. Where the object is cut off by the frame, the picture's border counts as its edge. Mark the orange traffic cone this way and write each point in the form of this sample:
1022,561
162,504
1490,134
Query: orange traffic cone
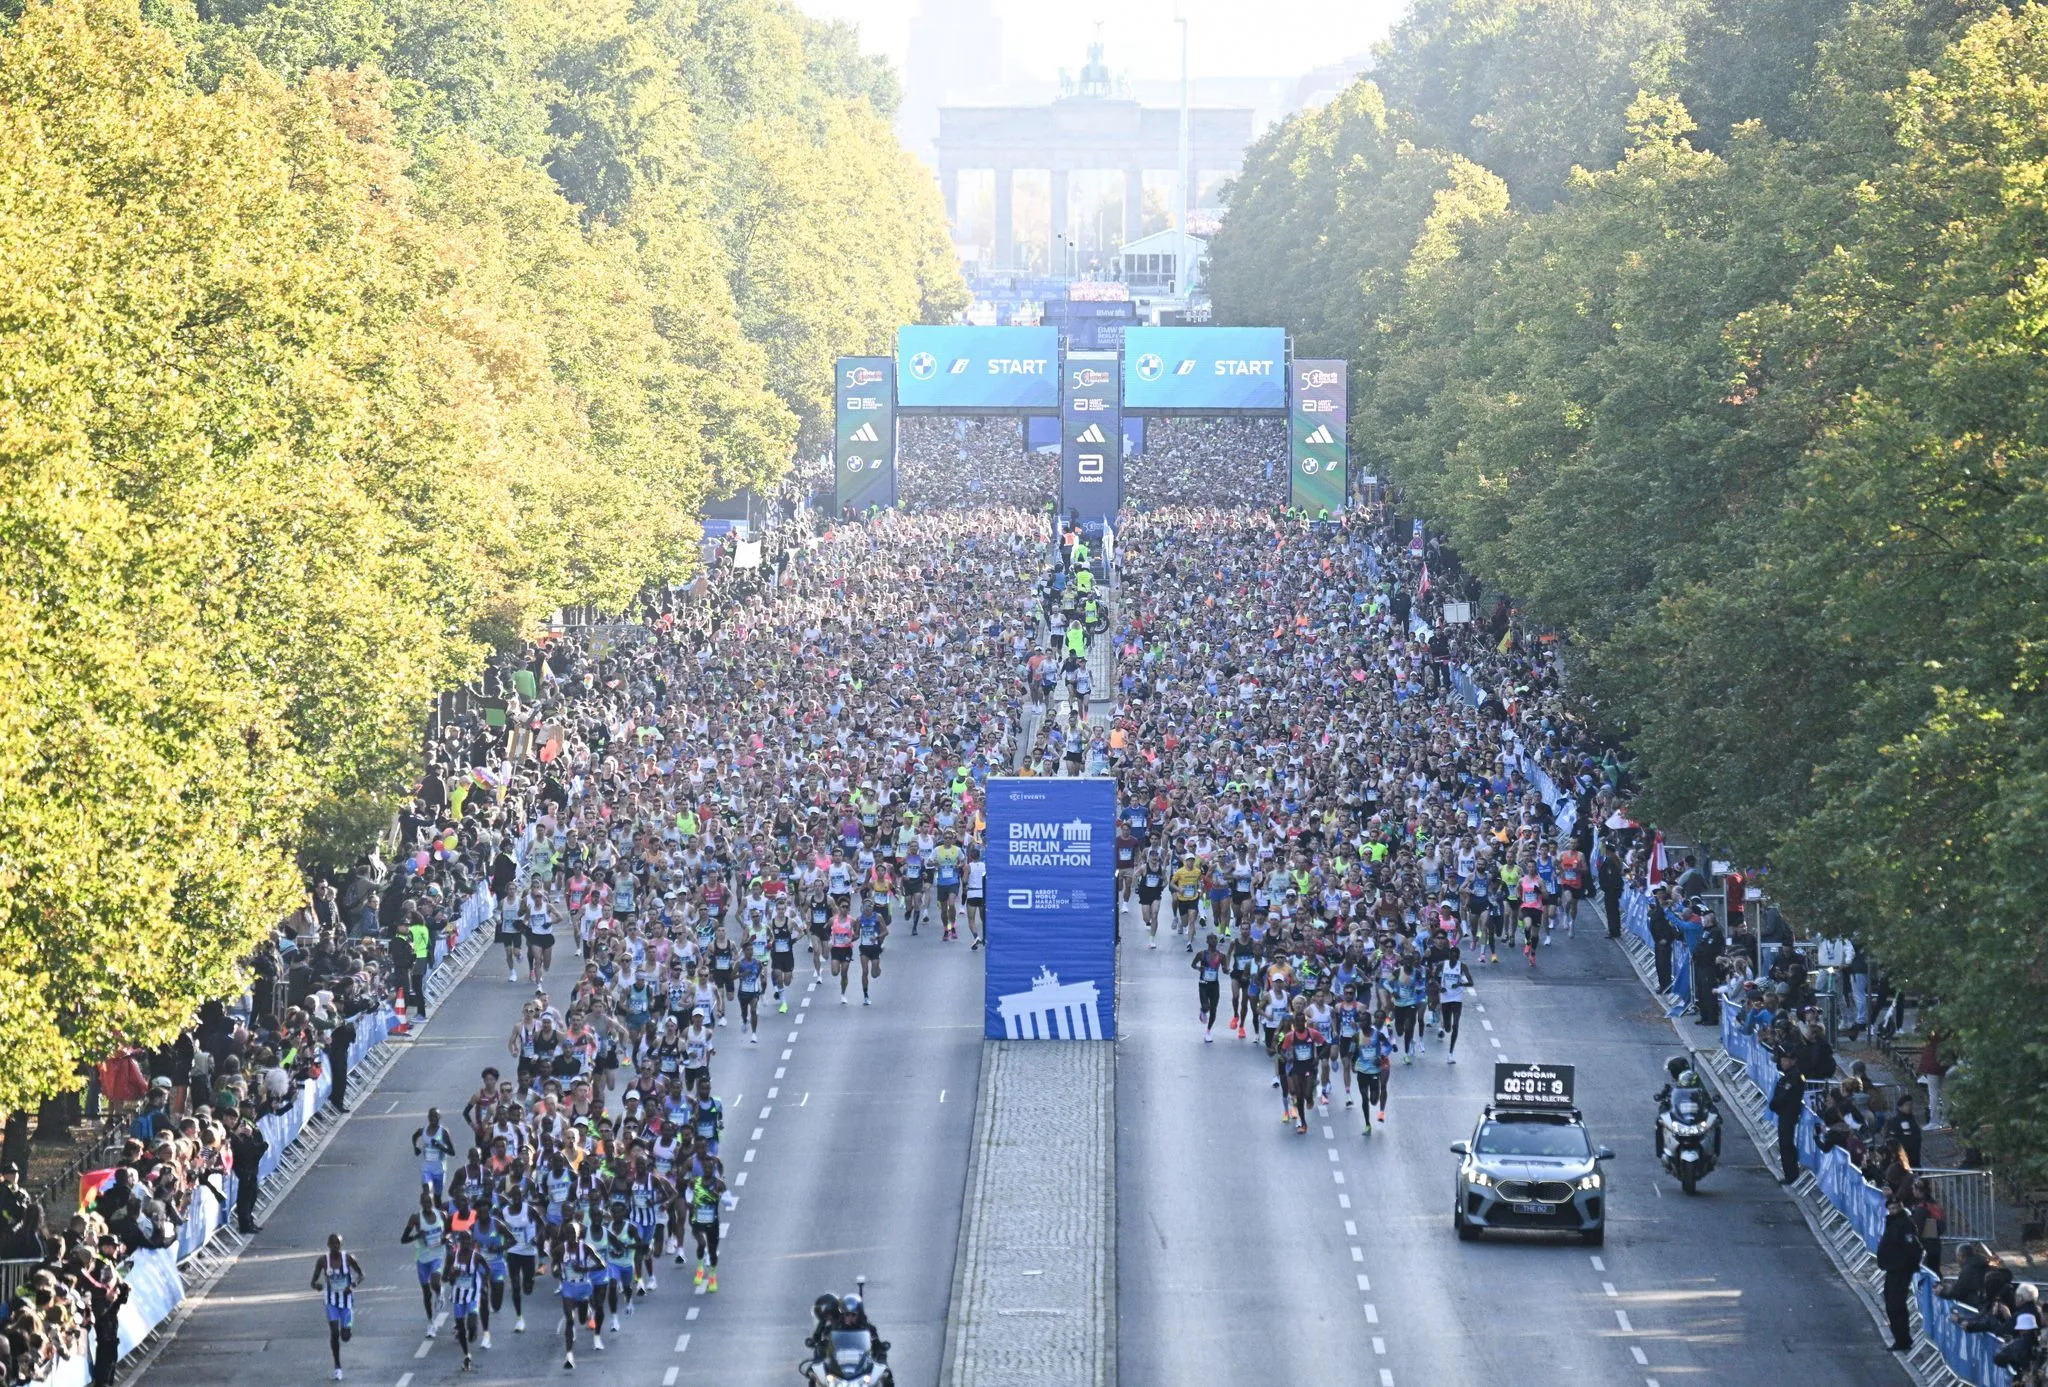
398,1025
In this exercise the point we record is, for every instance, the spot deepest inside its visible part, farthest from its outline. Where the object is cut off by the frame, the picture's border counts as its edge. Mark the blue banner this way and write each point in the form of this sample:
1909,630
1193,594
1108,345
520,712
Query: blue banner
1051,909
984,368
1091,437
1205,368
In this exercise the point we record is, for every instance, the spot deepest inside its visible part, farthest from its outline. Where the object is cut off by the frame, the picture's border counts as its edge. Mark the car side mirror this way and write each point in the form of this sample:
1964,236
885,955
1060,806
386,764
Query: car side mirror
1461,1148
1603,1153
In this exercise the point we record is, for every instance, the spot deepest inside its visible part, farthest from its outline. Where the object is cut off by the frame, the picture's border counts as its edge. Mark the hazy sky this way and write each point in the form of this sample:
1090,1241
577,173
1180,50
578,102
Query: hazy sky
1226,38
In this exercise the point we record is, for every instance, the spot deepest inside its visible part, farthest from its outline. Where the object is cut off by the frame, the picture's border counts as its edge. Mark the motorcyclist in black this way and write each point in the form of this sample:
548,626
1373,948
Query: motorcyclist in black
843,1315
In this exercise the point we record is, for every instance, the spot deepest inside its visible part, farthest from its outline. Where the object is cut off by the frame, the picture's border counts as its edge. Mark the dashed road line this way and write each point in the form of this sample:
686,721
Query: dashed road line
1621,1317
668,1379
682,1342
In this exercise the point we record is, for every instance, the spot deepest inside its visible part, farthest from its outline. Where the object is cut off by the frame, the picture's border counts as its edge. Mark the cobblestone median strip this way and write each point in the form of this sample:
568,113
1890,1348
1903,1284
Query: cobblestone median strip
1034,1281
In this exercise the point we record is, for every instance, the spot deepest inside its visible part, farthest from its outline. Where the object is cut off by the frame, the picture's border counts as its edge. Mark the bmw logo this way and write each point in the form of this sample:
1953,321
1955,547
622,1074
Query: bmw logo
924,366
854,464
1309,467
1149,367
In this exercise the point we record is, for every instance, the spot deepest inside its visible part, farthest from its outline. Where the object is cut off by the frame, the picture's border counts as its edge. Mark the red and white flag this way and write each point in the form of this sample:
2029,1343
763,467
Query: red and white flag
1657,861
1422,588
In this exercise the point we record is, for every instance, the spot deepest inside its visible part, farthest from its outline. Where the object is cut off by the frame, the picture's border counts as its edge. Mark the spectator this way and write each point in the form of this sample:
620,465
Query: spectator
1787,1101
248,1146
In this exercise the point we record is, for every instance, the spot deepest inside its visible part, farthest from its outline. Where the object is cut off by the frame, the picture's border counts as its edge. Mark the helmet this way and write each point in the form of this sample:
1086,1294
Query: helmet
1676,1066
1687,1079
824,1305
849,1306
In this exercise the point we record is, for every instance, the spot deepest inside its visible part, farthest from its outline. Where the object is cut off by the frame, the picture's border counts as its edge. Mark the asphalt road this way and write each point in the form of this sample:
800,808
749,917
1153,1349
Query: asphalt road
848,1125
1250,1255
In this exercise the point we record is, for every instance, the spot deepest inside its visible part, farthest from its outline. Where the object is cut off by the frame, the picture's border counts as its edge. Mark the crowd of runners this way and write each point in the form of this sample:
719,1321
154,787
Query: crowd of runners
1339,834
726,818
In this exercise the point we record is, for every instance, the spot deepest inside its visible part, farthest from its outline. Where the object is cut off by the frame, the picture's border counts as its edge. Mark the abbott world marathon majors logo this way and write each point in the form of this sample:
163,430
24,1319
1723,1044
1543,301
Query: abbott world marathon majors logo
1037,843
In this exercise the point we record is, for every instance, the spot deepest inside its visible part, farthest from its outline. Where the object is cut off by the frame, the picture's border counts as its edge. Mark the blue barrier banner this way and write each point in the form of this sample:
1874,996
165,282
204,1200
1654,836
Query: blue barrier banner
1051,909
1201,368
978,368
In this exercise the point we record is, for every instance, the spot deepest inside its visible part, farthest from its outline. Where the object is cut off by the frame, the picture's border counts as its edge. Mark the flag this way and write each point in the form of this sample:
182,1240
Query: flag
1507,639
1657,860
1422,589
1108,541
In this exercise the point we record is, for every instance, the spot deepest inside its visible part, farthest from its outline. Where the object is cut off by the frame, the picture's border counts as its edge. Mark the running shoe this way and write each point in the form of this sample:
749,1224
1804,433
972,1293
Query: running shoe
511,975
700,1278
430,1329
597,1342
712,1284
784,1008
337,1374
568,1362
467,1366
519,1325
1301,1129
615,1323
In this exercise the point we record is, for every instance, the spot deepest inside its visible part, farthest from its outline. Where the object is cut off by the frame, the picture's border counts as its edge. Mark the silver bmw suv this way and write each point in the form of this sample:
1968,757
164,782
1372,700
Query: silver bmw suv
1534,1169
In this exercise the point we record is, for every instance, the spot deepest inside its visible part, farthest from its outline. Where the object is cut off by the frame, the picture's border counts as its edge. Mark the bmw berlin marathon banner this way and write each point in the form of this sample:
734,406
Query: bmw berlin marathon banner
1051,909
978,369
1316,427
864,450
1091,438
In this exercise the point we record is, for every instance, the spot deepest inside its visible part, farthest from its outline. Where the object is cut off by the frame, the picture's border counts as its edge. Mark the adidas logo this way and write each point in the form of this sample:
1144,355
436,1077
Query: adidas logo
866,434
1321,435
1091,434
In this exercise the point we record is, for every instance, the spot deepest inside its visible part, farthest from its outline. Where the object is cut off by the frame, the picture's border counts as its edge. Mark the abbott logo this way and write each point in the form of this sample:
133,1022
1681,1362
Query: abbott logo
866,434
1020,899
1042,844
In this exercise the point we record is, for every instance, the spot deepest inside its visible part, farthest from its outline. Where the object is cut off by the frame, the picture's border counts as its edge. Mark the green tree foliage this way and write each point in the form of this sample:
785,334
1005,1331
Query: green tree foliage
335,336
1758,416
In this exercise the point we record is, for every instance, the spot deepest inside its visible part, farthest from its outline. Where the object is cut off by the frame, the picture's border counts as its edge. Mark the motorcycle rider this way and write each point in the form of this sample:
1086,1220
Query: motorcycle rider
843,1315
1679,1068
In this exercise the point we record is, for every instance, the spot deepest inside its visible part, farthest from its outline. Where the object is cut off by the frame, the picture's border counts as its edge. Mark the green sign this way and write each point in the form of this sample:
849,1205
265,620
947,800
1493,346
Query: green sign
1316,427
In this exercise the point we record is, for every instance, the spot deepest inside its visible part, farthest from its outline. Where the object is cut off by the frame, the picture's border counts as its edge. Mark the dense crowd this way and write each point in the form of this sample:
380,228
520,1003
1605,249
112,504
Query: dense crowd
1209,462
945,463
800,780
1342,836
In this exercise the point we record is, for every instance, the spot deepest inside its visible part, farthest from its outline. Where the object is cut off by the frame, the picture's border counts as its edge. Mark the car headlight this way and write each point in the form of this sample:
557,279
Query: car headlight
1589,1182
1480,1178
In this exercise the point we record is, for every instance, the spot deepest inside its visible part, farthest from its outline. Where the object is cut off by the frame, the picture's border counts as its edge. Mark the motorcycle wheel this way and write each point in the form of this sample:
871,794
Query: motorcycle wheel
1690,1184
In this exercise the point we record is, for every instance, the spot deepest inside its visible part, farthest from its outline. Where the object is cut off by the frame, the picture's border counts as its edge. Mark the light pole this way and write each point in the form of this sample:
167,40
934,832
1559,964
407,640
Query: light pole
1180,250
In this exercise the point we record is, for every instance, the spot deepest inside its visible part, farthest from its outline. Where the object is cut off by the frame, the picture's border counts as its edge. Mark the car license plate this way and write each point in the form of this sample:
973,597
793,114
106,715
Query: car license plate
1531,1206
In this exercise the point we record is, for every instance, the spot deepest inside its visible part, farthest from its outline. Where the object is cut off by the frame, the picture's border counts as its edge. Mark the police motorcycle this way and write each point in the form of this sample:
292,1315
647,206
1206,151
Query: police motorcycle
1688,1127
845,1350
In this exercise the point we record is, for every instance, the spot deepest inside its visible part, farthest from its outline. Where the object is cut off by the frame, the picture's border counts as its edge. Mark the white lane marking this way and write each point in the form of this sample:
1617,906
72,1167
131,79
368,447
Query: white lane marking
1350,1228
1621,1317
1608,1286
1358,1254
1333,1154
780,1072
806,1098
668,1379
682,1342
1364,1282
1329,1134
404,1379
748,1159
1372,1313
1650,1382
1642,1359
1387,1379
1494,1040
757,1134
801,1005
1379,1345
787,1053
440,1319
799,1017
740,1179
1480,1005
425,1344
693,1313
394,1106
792,1040
1338,1176
765,1112
772,1092
1343,1201
1599,1265
1486,1025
